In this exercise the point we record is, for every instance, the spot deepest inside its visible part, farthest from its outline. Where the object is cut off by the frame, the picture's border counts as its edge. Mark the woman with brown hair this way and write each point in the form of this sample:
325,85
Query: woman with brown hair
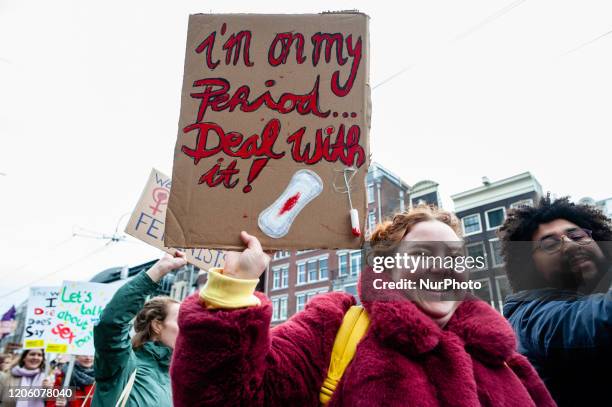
137,367
29,371
411,347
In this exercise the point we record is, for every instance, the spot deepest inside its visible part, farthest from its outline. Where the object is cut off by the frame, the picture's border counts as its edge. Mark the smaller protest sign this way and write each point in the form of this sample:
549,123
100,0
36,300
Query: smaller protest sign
42,306
147,222
79,307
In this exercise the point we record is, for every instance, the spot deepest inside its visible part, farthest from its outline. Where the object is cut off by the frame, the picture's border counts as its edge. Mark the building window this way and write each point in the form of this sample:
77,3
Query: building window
300,302
285,277
303,297
471,224
323,269
280,277
283,308
370,193
281,255
371,221
342,265
495,246
477,250
495,217
301,273
484,293
279,308
355,262
310,295
522,202
275,279
312,271
351,289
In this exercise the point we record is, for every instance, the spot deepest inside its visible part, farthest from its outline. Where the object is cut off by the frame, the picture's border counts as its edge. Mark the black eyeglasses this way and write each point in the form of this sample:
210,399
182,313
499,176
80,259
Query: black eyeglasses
552,244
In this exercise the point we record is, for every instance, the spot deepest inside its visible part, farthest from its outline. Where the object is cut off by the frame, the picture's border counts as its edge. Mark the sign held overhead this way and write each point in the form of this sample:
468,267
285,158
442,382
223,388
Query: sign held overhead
275,110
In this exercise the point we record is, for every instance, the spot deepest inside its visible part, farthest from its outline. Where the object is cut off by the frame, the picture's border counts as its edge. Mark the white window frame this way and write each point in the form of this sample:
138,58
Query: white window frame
479,224
371,197
284,272
308,262
275,278
348,265
522,202
486,214
297,297
371,220
278,268
484,252
297,267
315,259
311,292
326,257
493,263
281,254
276,306
299,252
283,315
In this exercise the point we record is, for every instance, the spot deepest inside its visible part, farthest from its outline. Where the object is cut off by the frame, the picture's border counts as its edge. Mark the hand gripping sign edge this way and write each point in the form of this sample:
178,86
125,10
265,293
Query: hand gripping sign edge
276,220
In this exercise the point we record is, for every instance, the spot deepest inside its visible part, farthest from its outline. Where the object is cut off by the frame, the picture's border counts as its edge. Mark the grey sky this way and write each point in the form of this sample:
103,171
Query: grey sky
89,102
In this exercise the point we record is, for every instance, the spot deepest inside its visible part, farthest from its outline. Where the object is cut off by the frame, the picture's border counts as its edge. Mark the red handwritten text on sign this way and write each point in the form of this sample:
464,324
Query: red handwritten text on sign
217,94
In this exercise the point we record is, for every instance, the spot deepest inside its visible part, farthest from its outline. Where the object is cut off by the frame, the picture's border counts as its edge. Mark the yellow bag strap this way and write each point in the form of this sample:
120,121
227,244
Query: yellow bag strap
353,328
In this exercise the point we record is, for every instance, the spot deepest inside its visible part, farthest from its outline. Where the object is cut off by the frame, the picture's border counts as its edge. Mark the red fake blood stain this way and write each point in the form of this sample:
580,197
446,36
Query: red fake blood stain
356,232
289,204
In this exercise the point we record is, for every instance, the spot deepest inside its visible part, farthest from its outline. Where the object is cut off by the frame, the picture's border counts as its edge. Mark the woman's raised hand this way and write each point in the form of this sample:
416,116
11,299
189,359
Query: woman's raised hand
166,264
248,264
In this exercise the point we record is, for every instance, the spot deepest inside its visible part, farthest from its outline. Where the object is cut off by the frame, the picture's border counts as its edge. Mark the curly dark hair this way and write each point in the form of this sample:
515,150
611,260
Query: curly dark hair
521,223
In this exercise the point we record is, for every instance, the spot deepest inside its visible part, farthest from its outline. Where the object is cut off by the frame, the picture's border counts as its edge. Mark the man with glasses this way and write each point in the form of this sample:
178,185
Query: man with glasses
558,256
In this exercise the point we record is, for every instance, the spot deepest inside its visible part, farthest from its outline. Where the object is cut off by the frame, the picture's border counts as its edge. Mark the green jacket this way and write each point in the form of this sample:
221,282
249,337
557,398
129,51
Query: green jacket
115,359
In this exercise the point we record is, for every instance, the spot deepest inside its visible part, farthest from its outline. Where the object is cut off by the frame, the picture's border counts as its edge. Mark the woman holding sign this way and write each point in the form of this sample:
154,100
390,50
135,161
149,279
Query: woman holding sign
134,372
400,349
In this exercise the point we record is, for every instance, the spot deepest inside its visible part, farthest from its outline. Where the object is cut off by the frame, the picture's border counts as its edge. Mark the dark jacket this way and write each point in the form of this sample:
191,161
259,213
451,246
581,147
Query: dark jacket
115,359
80,392
233,358
568,339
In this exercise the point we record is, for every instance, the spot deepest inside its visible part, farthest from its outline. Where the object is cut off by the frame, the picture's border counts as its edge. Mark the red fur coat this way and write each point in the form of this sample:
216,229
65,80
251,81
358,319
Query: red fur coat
233,358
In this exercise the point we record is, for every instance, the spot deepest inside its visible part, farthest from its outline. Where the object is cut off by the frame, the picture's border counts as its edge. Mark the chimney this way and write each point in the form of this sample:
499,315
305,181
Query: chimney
485,181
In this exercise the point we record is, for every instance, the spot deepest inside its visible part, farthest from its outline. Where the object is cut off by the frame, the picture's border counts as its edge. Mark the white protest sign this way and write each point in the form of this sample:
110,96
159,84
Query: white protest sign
42,306
147,222
79,307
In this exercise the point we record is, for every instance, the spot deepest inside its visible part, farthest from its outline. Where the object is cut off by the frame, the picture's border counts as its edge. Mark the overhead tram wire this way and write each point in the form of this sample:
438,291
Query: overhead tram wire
498,14
459,37
50,249
586,43
80,259
76,232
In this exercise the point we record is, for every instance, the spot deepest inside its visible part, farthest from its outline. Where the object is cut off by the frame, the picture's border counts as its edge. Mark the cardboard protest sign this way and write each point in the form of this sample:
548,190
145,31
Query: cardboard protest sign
42,306
274,110
147,222
79,307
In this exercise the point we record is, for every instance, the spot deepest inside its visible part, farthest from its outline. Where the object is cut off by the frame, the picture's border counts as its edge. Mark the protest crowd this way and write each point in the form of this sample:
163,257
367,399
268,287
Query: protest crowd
381,347
217,348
